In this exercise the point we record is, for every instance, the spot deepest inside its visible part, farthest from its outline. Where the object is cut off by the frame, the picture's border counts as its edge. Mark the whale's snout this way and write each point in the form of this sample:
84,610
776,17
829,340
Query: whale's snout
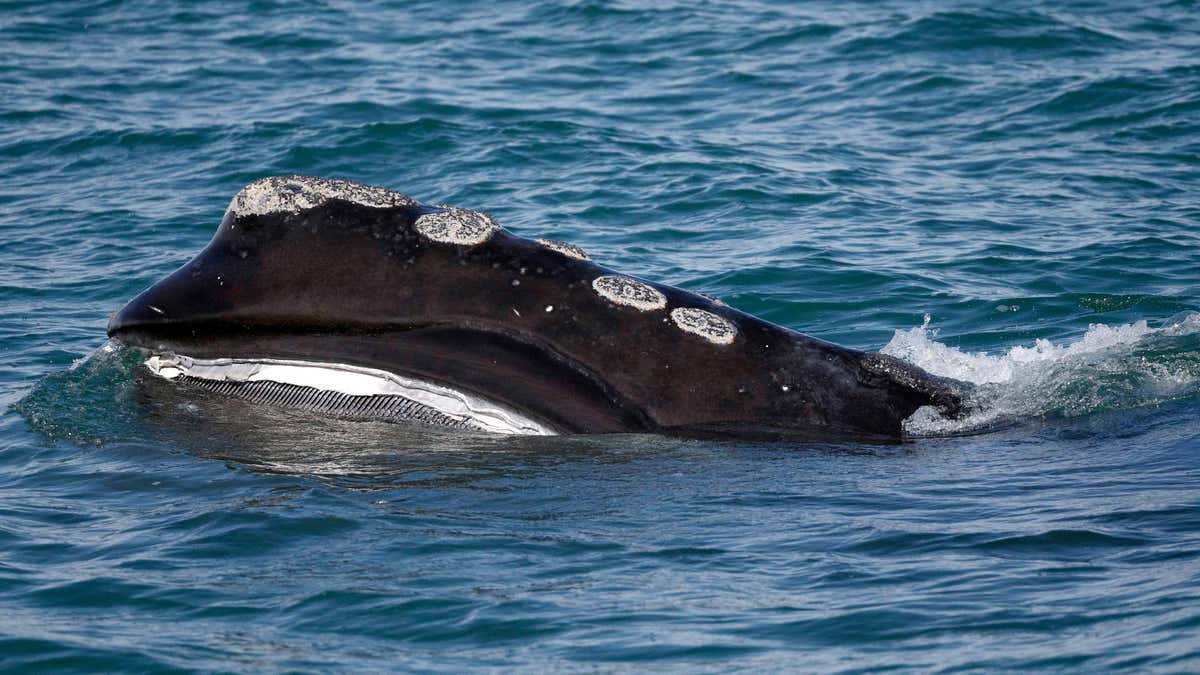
139,313
193,295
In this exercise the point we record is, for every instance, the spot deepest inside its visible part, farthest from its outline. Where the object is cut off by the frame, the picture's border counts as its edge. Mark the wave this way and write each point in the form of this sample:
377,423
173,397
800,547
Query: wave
1108,368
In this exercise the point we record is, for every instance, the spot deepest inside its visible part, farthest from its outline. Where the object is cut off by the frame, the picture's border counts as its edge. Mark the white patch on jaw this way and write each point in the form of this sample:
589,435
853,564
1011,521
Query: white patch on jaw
292,194
707,325
481,413
629,292
569,250
457,226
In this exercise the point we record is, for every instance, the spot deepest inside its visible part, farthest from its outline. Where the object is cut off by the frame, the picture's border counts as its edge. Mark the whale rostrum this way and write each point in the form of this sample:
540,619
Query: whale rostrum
360,301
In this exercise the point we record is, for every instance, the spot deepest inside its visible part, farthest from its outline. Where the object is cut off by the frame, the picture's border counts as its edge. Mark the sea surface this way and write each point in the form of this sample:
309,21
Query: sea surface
1003,193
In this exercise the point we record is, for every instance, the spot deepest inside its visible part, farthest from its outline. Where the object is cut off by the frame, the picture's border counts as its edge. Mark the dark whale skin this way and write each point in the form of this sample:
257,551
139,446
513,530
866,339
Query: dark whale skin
514,321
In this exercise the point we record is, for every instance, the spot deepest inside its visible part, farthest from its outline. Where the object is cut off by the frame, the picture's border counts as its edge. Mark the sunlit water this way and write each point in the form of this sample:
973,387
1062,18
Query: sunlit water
1003,194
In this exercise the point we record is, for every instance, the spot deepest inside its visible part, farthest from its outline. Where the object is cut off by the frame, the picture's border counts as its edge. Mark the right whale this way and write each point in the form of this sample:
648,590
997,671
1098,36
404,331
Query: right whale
359,301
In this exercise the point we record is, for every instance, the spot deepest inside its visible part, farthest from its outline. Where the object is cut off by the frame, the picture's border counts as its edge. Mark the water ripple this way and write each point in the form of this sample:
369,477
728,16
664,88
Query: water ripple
1025,176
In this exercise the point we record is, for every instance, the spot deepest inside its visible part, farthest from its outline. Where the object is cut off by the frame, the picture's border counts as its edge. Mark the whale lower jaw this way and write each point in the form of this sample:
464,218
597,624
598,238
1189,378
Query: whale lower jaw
344,390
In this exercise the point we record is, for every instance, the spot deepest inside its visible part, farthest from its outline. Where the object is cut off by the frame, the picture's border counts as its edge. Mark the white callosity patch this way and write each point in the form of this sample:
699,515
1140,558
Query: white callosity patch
707,325
292,194
481,413
453,225
715,299
1109,367
629,292
569,250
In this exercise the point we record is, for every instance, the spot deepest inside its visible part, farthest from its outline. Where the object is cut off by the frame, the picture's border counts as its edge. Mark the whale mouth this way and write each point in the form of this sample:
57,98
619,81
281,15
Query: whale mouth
343,390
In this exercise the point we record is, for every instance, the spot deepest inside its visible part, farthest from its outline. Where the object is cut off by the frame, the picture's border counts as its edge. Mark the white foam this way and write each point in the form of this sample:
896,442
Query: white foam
1107,367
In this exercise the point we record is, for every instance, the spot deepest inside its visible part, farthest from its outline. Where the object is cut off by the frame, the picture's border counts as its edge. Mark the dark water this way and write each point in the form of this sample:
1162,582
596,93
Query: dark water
1026,175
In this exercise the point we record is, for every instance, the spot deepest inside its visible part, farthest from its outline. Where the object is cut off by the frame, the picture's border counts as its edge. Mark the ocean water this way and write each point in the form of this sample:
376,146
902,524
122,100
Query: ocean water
1005,193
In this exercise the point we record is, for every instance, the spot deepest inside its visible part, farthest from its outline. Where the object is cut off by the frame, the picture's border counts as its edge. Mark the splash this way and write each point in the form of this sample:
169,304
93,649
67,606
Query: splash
89,402
1108,368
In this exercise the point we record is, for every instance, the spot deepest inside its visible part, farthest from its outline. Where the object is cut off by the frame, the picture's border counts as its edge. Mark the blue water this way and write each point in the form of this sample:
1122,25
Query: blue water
1006,193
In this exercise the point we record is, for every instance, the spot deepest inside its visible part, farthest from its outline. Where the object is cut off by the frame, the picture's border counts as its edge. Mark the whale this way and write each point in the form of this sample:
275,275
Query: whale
354,300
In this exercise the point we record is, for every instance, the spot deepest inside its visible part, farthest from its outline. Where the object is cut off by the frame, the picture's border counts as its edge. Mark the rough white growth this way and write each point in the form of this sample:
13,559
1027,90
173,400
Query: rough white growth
707,325
355,381
292,194
629,292
715,299
457,226
569,250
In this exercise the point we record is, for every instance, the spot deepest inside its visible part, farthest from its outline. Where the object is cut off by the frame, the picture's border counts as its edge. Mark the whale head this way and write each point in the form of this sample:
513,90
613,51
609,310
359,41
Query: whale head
324,284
